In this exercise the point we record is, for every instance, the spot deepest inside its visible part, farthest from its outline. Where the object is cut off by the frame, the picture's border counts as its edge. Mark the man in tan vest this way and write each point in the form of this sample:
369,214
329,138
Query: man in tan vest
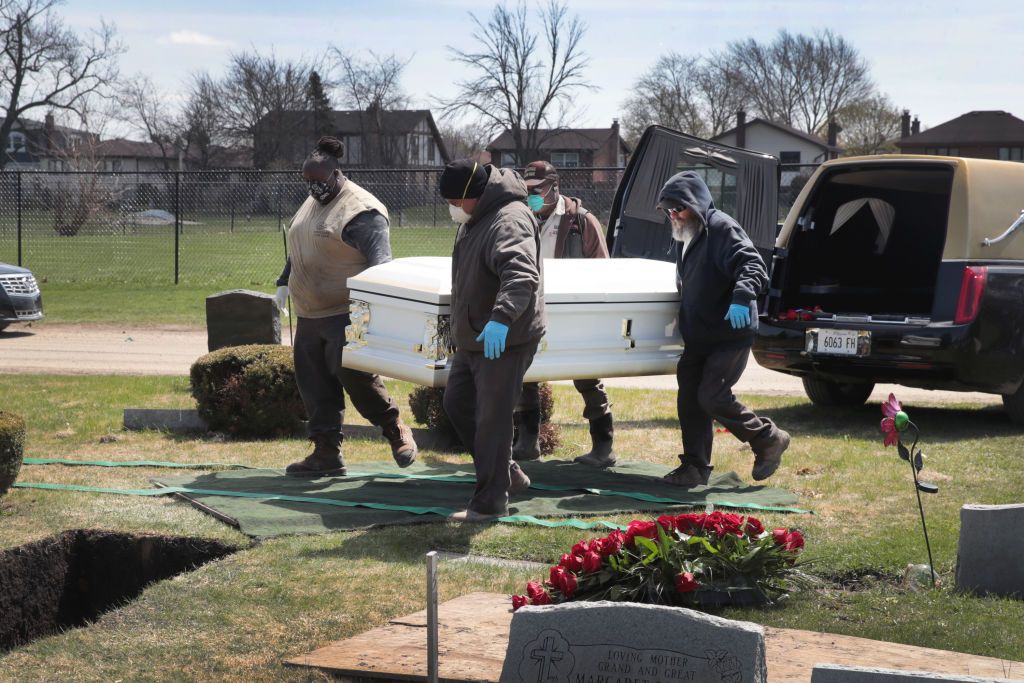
338,232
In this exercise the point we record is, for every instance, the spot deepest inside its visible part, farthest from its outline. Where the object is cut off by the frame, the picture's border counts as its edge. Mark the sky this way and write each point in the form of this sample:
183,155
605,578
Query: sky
939,59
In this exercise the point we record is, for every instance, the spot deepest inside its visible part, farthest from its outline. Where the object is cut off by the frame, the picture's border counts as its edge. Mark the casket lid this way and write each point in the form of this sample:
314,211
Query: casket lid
428,279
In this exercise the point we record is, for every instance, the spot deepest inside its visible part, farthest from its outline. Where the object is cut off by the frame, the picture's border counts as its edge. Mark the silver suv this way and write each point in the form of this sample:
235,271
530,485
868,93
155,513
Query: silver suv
20,298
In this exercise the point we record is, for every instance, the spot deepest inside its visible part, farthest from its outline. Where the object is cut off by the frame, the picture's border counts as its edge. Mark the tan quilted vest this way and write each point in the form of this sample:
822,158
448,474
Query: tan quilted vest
321,261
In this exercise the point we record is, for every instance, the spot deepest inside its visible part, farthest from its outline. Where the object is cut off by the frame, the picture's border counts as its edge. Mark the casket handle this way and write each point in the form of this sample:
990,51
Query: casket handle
627,333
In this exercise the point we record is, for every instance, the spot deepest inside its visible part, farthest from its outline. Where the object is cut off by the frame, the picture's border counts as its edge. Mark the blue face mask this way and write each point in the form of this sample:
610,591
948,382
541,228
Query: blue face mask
535,202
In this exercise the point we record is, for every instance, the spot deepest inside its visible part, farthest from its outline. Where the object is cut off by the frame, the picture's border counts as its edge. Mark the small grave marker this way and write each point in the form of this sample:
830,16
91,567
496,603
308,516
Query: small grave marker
241,316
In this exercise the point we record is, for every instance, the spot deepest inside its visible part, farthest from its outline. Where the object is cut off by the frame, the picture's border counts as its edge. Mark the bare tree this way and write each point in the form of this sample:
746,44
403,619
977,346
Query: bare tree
202,122
46,65
146,110
667,95
465,141
373,86
798,80
524,81
721,94
260,94
870,126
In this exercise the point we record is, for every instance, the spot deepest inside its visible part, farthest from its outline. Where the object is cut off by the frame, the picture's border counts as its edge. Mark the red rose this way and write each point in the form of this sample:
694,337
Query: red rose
794,541
556,574
518,601
613,543
754,526
685,583
592,562
638,528
567,584
533,589
580,548
779,536
689,522
667,521
542,599
573,563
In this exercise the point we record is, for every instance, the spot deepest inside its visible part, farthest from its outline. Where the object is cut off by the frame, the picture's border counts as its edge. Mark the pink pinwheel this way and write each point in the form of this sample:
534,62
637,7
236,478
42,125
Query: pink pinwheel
892,437
891,407
895,420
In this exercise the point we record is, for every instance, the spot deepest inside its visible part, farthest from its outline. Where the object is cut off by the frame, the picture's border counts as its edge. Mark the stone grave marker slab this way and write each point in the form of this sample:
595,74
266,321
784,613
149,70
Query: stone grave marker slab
835,673
988,558
241,316
605,642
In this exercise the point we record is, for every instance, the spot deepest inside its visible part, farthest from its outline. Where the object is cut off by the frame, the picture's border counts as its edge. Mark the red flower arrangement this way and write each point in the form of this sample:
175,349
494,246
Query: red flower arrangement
690,560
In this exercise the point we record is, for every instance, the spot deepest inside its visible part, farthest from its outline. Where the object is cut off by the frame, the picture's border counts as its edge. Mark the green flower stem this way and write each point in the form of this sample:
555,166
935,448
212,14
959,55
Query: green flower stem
920,505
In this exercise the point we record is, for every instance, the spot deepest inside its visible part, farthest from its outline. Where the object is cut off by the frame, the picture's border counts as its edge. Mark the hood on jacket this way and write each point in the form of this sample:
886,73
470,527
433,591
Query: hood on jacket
690,190
504,185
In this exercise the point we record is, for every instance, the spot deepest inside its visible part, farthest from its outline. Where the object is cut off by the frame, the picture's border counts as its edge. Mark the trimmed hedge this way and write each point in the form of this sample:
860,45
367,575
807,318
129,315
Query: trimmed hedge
427,407
12,449
248,391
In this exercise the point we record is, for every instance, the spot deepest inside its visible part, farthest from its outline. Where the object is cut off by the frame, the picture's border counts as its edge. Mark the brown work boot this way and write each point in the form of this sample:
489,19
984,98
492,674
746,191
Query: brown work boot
324,461
469,515
601,455
518,481
403,447
768,458
688,475
527,445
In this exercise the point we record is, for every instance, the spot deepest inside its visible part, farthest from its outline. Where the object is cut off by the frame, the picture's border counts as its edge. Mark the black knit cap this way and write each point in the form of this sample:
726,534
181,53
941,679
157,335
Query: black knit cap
463,179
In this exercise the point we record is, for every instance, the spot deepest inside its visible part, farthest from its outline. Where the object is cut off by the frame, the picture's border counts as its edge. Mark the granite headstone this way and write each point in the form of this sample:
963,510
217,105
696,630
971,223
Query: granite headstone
988,558
834,673
241,316
605,642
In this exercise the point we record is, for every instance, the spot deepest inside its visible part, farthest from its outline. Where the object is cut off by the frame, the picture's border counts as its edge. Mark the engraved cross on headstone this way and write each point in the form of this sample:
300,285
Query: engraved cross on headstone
546,657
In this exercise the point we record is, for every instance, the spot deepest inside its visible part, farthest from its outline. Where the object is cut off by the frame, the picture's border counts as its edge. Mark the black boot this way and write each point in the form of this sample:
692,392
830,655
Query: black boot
527,445
324,461
602,431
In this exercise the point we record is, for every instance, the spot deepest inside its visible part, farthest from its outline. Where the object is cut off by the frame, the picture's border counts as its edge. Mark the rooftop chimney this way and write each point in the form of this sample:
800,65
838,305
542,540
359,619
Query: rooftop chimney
915,127
905,124
48,136
741,128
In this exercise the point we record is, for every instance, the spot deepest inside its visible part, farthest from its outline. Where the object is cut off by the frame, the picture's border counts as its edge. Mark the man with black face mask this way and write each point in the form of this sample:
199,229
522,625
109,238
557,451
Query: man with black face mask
337,233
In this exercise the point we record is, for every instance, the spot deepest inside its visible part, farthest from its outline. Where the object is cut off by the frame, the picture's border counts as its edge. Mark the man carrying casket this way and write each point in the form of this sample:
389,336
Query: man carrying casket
719,274
567,231
497,320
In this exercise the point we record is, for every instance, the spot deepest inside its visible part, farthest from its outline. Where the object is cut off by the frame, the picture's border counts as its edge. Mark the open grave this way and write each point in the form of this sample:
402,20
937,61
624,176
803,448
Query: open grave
69,580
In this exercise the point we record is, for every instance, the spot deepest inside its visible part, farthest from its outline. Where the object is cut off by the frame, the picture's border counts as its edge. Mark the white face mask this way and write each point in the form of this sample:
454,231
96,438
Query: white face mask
459,214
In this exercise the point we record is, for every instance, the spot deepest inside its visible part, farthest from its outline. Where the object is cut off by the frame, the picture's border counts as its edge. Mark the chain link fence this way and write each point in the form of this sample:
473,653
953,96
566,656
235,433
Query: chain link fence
225,228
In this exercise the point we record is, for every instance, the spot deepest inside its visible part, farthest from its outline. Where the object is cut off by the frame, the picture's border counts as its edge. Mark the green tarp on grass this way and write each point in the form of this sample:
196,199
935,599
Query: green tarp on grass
560,490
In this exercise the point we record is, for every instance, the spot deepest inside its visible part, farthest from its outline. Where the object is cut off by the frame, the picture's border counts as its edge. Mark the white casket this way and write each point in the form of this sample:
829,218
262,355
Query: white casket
606,318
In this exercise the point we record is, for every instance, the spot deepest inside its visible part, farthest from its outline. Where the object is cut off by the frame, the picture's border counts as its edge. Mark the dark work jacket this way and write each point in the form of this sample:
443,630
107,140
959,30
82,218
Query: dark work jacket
496,266
721,267
576,218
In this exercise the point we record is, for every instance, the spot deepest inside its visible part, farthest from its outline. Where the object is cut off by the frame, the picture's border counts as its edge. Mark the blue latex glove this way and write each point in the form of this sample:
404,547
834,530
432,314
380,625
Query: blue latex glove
738,316
493,338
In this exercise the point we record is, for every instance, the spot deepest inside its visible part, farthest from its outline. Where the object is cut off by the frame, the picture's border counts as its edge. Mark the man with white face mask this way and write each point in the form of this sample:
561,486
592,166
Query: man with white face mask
497,321
719,274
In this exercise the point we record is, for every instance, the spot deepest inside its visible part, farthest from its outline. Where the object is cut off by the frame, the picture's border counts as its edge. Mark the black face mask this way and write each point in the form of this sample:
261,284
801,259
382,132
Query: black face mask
320,191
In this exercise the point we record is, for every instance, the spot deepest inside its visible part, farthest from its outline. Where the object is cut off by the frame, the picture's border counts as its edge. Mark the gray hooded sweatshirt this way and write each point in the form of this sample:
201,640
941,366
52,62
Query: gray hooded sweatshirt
720,267
496,267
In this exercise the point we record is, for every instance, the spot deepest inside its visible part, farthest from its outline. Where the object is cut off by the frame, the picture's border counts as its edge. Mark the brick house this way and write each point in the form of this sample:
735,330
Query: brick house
570,148
977,134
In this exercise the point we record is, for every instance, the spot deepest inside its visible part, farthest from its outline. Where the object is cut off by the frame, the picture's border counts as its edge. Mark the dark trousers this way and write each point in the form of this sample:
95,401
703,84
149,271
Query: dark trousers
595,398
706,379
322,381
479,398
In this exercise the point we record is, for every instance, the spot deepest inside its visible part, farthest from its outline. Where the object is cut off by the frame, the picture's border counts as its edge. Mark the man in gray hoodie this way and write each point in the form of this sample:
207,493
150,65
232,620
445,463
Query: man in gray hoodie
497,319
719,274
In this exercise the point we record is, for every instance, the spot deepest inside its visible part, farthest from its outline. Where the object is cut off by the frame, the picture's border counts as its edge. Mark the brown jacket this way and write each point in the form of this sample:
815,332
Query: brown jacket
586,224
496,268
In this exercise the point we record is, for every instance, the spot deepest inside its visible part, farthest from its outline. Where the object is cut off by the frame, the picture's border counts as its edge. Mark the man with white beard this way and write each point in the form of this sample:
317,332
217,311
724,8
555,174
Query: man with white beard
719,274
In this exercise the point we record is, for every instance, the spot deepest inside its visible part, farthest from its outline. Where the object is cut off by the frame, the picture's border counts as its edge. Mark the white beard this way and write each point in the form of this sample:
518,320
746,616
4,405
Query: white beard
686,230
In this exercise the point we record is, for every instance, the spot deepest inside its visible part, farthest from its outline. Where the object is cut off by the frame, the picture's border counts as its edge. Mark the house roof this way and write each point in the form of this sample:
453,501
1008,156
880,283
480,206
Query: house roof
559,139
972,128
120,147
789,130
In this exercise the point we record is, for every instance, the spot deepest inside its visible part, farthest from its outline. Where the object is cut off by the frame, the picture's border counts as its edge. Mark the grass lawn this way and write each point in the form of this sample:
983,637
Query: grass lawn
239,617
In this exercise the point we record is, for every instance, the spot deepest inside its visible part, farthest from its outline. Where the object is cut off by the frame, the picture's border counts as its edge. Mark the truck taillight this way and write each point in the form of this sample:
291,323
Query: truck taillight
971,290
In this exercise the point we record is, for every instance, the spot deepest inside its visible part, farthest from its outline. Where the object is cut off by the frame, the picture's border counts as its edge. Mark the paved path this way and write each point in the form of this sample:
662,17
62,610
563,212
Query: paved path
127,350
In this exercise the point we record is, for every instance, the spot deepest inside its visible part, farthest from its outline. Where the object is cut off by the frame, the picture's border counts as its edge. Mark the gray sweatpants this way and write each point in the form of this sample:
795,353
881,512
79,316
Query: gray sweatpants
322,381
705,382
479,399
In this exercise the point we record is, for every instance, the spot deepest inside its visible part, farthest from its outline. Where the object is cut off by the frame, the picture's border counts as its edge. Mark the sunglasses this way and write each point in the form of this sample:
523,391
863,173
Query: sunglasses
672,209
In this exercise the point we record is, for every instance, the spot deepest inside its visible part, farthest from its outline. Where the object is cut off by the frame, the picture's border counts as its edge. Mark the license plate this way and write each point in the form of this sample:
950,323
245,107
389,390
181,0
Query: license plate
839,342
